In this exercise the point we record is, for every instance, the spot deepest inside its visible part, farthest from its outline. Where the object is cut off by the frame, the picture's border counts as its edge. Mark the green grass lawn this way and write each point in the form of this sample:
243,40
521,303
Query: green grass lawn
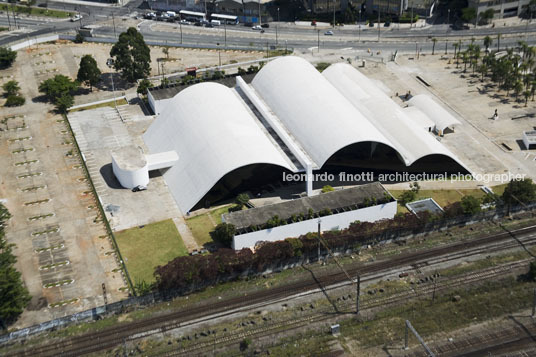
446,197
202,225
143,249
36,11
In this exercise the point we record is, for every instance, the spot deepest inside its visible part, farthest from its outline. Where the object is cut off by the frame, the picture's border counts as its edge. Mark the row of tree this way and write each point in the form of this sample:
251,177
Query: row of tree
190,273
512,71
13,294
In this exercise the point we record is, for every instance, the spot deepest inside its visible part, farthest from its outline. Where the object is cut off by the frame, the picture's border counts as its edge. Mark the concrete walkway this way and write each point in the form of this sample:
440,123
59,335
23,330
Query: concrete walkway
186,234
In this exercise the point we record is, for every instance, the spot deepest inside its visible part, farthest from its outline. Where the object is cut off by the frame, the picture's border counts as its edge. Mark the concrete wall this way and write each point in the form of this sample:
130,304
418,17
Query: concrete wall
33,41
152,102
332,222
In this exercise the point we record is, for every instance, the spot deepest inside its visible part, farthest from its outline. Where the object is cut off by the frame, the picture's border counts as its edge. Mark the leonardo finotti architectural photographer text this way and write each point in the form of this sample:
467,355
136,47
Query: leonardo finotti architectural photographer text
403,177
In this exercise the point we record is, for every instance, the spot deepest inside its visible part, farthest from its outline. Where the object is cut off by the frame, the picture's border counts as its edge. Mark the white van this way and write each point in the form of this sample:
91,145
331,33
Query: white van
171,14
215,22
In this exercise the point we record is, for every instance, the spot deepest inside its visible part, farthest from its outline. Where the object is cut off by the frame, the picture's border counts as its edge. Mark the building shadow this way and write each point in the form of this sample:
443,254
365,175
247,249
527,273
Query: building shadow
108,175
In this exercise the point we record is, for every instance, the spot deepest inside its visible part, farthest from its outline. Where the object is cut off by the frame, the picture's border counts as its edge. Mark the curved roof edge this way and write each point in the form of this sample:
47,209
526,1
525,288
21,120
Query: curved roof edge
439,115
321,119
410,140
214,133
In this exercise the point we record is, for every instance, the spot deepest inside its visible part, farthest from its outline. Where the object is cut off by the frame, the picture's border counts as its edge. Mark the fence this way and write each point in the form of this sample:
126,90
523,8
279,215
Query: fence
160,296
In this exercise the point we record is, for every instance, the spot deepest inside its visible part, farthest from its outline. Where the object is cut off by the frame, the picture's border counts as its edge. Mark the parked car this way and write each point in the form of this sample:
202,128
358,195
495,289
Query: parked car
76,18
328,33
139,188
265,26
256,28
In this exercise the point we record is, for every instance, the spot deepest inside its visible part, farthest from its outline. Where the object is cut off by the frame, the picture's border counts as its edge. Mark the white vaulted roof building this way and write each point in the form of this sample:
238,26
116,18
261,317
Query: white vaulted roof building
291,116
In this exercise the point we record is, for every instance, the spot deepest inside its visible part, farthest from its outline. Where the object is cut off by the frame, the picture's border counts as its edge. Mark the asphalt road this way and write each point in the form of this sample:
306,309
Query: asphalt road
391,38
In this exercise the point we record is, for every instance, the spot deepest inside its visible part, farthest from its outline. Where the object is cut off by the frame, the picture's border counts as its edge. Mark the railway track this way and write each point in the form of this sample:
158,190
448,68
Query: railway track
327,313
115,335
509,341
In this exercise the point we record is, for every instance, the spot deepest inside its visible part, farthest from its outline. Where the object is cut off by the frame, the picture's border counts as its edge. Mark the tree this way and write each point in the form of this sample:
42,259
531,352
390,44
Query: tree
434,41
224,233
132,56
242,200
143,86
55,87
13,295
407,197
165,50
11,88
7,57
468,14
486,16
15,101
526,94
327,188
470,205
519,191
78,38
487,42
89,73
415,187
531,275
64,102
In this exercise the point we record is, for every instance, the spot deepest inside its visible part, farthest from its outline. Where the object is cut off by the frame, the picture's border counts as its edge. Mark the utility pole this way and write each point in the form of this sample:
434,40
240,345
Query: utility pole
276,27
446,43
448,19
260,17
8,20
180,26
359,27
379,27
225,32
319,243
411,20
219,54
318,31
409,327
333,14
358,293
534,303
113,21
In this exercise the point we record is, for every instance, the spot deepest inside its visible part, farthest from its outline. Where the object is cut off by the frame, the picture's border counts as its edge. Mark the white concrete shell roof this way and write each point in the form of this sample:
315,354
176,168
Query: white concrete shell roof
439,115
321,119
410,140
213,133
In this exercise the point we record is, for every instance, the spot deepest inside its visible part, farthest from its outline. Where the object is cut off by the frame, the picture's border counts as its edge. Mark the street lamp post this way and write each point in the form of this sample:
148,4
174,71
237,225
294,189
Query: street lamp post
379,27
318,31
180,26
333,13
448,18
359,26
225,32
219,54
276,28
260,17
110,65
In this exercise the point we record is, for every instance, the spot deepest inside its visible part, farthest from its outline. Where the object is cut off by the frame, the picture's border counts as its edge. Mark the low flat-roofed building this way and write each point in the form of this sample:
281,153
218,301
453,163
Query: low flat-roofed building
427,204
335,210
529,139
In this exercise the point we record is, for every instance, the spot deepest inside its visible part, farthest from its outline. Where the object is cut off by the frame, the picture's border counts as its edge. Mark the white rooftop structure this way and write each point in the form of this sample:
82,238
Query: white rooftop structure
529,138
131,166
439,115
214,133
387,117
290,116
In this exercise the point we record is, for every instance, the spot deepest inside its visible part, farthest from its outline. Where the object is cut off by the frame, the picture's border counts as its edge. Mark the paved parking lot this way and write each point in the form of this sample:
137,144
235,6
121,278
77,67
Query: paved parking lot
62,247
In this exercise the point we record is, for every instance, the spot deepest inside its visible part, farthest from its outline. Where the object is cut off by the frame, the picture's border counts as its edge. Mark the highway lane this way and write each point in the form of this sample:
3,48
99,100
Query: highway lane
392,39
